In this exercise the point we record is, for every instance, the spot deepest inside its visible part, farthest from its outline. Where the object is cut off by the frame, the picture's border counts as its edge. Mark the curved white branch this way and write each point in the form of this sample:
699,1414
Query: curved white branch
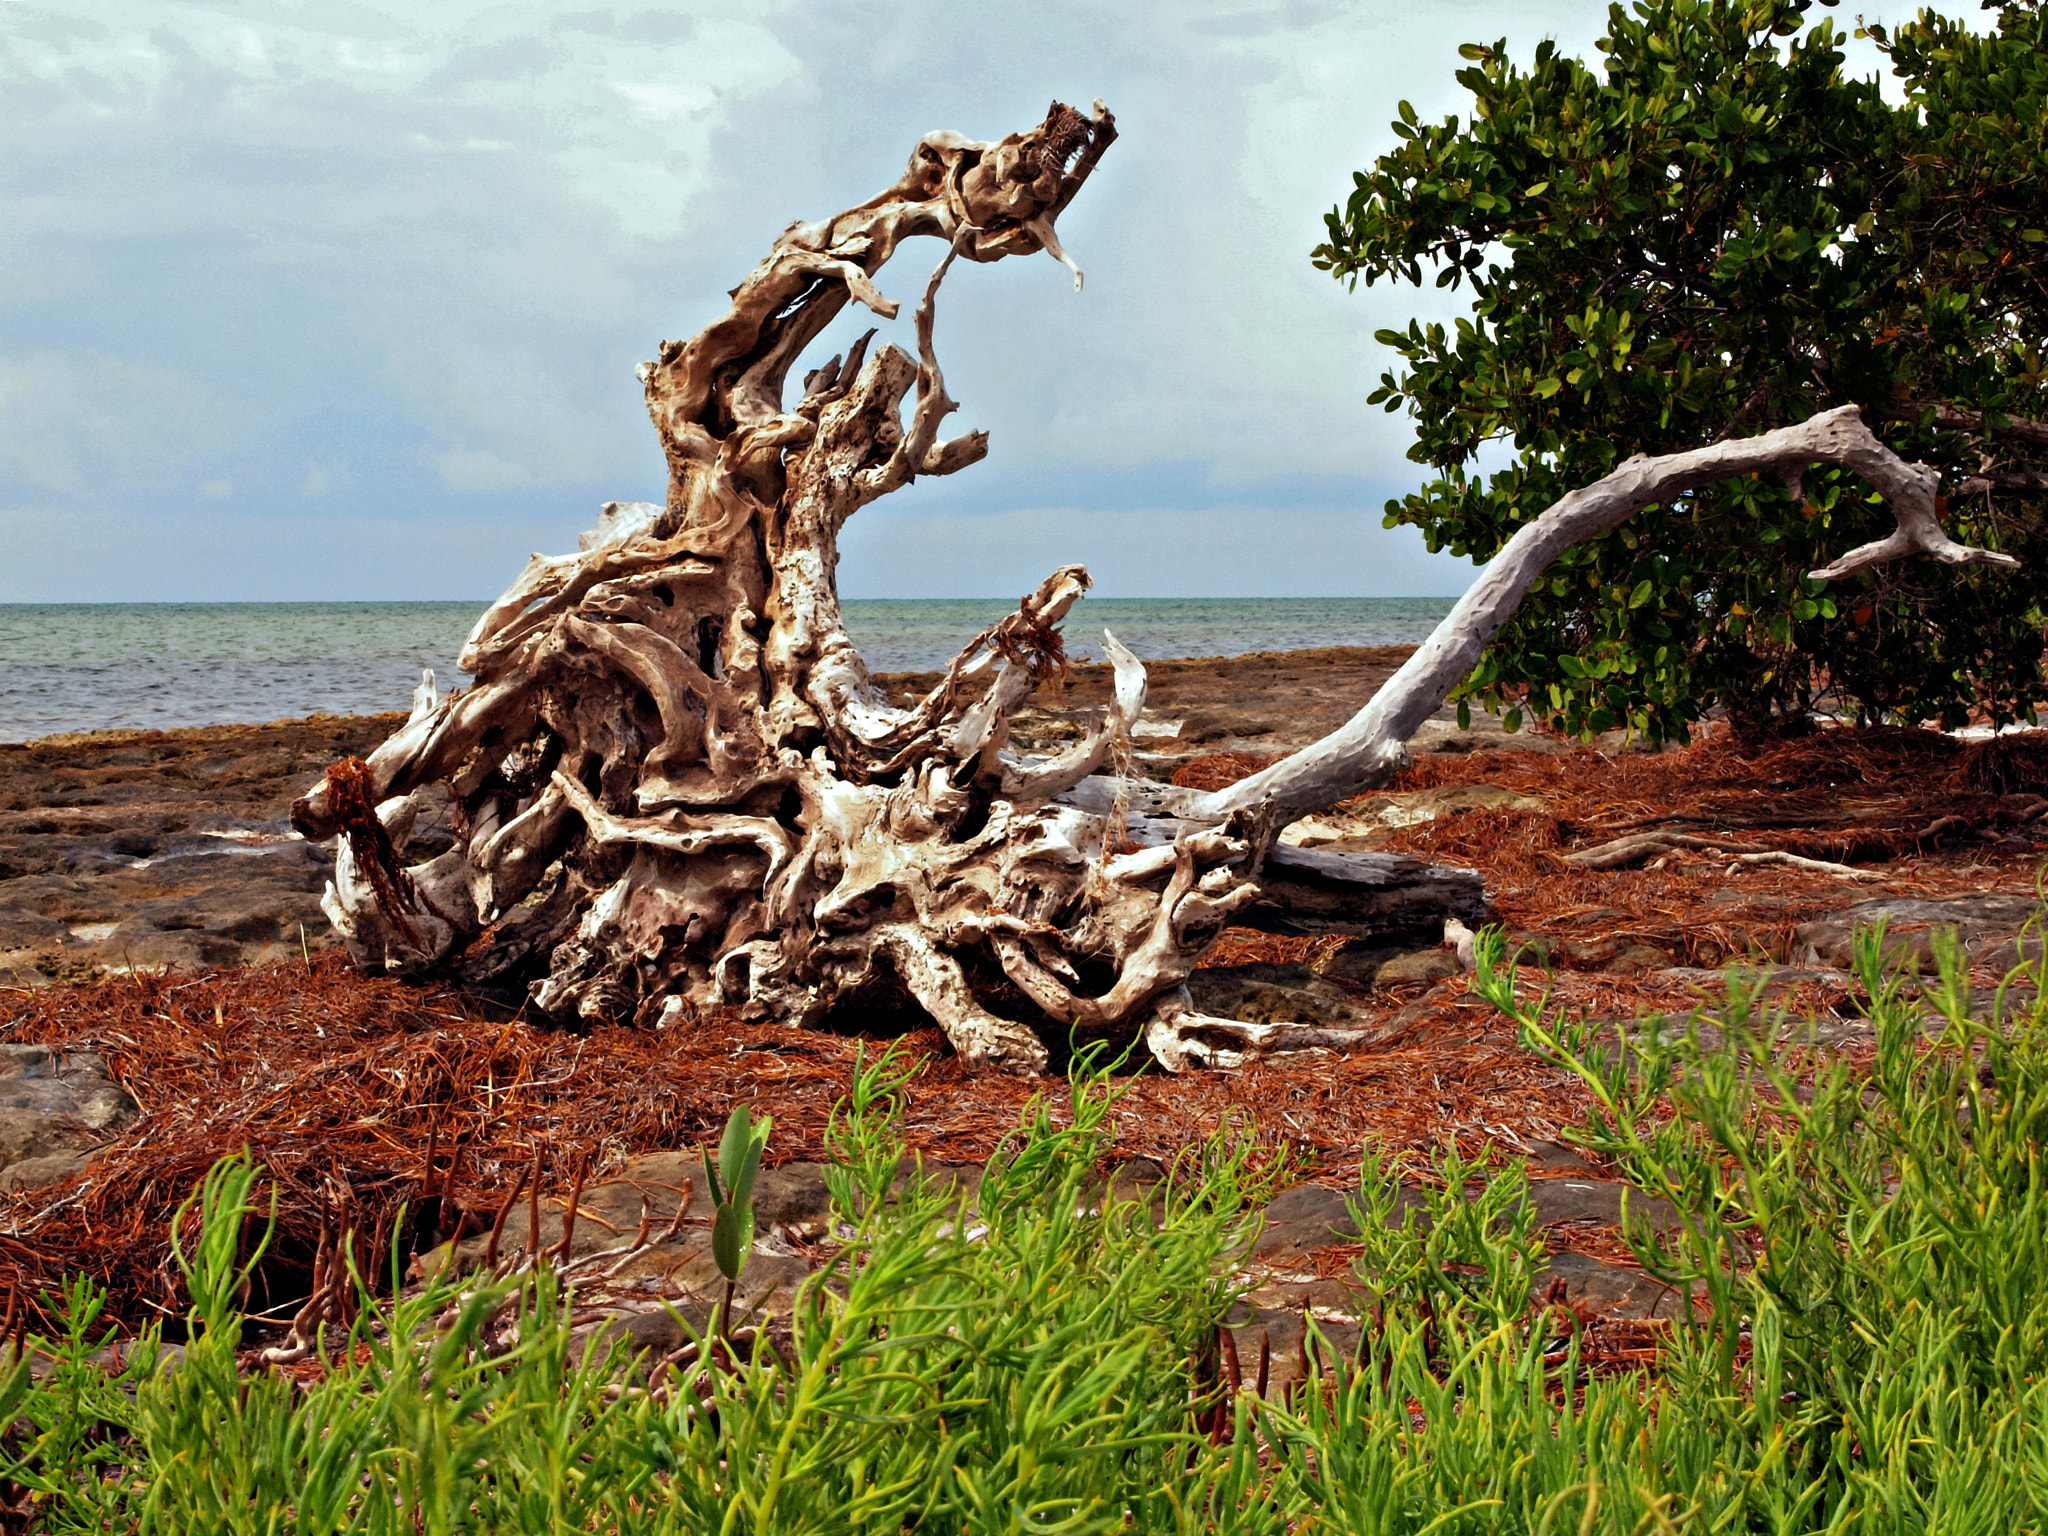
1370,748
1032,783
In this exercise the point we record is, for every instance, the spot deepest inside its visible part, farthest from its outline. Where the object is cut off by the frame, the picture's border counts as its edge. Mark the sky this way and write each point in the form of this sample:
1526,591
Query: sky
342,301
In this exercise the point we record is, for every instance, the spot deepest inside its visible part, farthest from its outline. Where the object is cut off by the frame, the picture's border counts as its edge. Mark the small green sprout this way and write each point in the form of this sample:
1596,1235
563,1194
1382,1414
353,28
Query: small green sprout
731,1183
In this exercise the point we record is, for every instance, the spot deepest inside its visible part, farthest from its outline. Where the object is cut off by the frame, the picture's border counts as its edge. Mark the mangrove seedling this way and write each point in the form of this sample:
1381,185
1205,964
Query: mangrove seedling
731,1183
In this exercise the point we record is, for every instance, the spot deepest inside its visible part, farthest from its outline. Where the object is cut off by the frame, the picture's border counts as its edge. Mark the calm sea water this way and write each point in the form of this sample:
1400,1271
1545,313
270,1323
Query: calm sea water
104,666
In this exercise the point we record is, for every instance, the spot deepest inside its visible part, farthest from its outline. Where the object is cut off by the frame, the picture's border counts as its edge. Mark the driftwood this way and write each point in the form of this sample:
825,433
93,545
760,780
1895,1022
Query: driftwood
1637,847
674,786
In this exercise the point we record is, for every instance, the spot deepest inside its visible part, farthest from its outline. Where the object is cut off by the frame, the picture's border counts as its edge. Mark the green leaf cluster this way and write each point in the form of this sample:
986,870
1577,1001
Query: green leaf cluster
1710,231
1859,1252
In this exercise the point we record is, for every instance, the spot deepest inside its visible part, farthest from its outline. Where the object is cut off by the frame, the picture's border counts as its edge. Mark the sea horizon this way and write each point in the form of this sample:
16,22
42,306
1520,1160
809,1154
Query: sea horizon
68,667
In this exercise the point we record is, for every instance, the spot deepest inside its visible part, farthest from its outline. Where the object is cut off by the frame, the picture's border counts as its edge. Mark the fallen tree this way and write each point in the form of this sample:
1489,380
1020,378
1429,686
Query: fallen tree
674,786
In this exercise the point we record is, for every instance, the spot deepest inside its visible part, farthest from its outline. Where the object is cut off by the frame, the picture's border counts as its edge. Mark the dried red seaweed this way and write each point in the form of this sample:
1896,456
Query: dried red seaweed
342,1085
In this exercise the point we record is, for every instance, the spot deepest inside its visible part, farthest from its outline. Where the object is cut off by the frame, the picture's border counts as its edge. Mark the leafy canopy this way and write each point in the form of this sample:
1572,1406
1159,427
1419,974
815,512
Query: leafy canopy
1712,232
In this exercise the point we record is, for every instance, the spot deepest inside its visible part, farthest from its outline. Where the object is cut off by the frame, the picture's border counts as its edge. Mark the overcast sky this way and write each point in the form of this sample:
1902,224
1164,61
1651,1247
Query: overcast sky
310,301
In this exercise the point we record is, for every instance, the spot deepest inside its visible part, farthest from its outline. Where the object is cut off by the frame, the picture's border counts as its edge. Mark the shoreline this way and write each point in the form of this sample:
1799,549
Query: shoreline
86,668
1174,682
138,848
1089,676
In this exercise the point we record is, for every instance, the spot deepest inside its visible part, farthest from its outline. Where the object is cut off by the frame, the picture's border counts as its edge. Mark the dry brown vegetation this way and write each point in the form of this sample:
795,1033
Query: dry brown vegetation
363,1094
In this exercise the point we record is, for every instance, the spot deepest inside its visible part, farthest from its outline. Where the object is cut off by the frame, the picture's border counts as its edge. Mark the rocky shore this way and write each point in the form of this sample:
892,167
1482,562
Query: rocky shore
125,849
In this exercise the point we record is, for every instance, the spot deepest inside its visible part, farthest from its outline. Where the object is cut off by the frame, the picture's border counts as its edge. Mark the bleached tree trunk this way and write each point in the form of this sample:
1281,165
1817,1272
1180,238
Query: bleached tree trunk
676,788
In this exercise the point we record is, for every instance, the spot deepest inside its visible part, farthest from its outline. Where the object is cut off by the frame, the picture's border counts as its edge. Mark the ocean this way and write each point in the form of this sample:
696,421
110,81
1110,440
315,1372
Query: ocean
109,666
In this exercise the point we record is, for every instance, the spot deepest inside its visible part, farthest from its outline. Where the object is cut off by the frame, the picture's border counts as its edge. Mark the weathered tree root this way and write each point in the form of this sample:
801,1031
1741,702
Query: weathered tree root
675,786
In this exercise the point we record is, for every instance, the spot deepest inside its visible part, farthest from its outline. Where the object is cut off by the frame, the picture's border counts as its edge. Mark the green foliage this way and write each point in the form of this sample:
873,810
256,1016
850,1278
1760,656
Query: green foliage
731,1183
1868,1250
1454,1252
1877,1237
1852,1211
1019,1362
1711,232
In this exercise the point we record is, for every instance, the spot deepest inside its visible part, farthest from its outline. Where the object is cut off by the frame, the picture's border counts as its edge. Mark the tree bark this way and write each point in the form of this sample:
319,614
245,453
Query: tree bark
676,787
1954,418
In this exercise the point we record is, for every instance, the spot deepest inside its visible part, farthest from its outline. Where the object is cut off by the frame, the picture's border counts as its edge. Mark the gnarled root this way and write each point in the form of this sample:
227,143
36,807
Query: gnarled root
676,787
677,782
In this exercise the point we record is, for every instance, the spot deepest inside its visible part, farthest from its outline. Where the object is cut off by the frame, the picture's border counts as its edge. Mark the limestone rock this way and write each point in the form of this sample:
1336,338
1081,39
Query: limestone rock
1989,926
1421,965
1608,1289
1201,727
1274,994
56,1107
128,849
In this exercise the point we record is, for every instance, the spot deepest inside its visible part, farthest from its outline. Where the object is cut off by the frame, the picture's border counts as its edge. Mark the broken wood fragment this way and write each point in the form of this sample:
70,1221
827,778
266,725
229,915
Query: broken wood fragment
1639,847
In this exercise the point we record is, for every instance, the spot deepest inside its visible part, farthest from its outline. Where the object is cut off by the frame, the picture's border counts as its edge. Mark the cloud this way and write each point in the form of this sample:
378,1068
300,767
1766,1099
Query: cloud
249,245
89,424
477,472
324,480
1243,551
224,556
664,102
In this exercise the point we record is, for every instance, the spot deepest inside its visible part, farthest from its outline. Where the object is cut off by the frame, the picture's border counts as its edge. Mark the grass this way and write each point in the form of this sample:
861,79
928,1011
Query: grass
1862,1246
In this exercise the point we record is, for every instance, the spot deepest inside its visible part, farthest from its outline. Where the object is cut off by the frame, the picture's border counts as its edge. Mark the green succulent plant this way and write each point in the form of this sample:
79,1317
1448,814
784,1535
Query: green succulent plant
731,1182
